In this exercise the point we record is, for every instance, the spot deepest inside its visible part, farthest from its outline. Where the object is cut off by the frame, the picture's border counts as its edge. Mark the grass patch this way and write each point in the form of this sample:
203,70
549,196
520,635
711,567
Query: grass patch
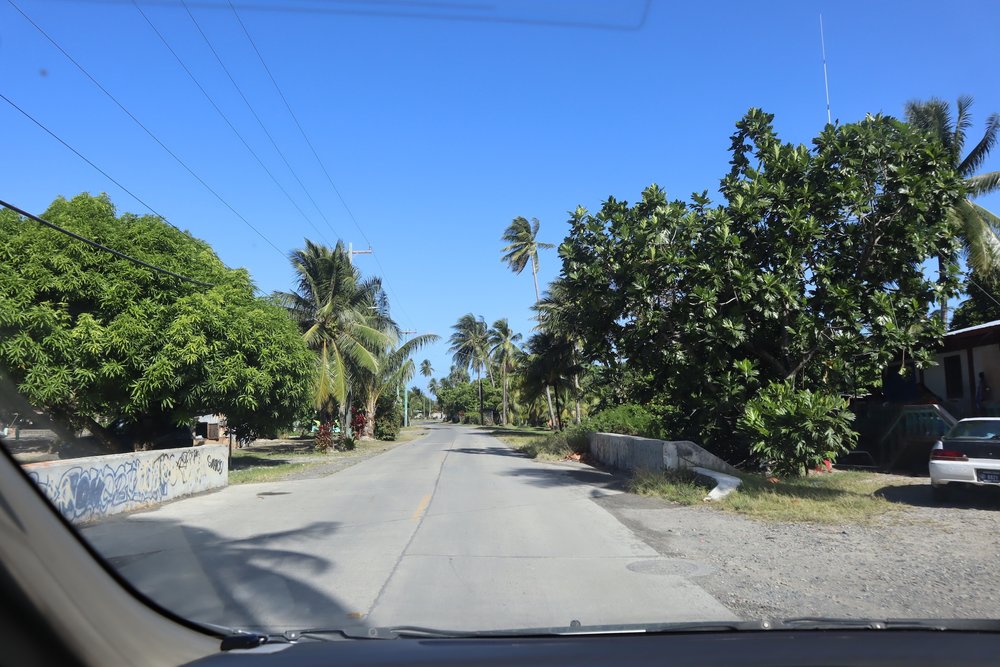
274,462
837,498
271,472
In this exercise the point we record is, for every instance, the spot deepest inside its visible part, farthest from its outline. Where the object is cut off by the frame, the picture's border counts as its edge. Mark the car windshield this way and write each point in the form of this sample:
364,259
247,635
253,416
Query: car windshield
976,429
486,316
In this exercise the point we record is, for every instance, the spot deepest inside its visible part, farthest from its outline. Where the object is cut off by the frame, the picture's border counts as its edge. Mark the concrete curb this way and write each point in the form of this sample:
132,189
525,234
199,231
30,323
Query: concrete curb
725,484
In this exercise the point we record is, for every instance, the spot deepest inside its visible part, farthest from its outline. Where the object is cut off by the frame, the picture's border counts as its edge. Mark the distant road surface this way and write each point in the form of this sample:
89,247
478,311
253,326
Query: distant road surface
453,531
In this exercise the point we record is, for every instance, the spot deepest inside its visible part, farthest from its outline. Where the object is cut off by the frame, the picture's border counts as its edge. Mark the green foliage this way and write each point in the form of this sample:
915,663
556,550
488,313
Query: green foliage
629,419
342,318
981,305
462,399
388,417
795,429
810,271
346,444
87,336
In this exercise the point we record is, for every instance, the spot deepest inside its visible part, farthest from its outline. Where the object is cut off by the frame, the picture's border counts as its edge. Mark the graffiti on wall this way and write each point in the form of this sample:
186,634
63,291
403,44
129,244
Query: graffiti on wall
95,489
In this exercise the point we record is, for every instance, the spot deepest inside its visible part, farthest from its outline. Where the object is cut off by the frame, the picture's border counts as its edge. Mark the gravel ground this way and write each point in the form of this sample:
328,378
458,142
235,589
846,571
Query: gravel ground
921,561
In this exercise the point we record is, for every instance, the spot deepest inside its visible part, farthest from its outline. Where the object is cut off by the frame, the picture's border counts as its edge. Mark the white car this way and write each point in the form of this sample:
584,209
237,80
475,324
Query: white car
967,454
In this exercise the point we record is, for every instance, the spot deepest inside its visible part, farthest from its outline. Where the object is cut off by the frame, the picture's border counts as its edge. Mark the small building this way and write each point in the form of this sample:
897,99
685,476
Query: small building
897,428
955,379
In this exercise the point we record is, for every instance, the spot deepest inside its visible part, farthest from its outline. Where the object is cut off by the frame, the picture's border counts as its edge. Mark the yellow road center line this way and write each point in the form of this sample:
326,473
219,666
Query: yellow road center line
424,502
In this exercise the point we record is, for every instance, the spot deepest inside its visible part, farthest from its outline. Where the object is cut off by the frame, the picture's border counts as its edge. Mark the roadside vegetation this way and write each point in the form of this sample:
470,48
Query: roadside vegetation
840,497
273,462
743,324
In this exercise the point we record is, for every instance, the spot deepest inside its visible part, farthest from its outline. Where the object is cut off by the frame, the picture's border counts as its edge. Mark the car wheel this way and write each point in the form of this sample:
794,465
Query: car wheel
940,493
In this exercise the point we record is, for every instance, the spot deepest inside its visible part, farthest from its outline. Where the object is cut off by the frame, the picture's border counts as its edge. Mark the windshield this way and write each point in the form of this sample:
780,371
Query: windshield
489,316
975,429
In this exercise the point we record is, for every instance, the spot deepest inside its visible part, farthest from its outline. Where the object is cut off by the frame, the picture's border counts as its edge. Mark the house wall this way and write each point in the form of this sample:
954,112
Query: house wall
985,358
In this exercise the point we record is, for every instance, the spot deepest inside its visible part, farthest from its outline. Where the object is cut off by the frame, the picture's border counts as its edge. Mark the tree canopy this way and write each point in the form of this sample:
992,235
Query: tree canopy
809,274
89,337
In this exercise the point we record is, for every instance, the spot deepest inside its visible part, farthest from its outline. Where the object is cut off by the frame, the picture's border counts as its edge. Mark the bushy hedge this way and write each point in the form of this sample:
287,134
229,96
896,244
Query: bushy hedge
627,419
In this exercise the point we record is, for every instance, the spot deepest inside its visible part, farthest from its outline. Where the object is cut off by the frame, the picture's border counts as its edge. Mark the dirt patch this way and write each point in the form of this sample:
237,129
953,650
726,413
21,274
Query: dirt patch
922,561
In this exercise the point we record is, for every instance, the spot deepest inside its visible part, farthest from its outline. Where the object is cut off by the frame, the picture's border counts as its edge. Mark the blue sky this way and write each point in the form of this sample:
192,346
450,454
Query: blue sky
438,130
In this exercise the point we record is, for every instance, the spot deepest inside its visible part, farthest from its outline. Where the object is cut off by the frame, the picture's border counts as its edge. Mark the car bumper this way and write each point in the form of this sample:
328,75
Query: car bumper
964,472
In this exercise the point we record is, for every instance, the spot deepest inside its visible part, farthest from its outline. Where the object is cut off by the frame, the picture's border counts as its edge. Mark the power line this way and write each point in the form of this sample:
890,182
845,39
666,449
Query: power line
146,129
84,158
319,160
257,117
100,246
226,119
409,14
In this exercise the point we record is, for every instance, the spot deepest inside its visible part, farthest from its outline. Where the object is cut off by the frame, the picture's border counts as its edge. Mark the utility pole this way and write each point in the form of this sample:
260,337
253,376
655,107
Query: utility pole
351,252
406,394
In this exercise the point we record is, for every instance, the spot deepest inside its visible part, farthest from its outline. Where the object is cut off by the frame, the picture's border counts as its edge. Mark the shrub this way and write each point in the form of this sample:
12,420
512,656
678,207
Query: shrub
346,444
388,417
795,429
628,419
324,438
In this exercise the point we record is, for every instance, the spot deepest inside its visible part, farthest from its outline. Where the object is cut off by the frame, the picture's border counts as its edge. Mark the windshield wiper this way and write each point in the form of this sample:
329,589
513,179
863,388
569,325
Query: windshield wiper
575,628
248,640
942,624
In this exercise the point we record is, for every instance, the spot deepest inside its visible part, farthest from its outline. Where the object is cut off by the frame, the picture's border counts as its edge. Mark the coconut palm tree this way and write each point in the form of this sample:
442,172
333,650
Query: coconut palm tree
342,317
504,352
976,228
550,365
395,369
554,317
426,369
470,347
521,249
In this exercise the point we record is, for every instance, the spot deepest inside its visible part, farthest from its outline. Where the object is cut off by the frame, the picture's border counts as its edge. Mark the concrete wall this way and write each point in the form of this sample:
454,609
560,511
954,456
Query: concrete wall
629,452
95,487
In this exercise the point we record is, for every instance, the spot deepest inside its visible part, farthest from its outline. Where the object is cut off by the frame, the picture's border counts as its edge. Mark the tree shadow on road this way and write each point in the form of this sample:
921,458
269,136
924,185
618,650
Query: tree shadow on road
561,475
252,583
503,430
490,451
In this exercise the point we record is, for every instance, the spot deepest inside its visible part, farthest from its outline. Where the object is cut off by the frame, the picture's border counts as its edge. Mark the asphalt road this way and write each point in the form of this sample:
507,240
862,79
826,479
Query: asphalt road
453,530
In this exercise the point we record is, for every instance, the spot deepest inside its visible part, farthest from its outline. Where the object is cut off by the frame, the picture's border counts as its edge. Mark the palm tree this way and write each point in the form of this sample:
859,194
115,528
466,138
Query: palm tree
554,316
395,369
342,317
504,352
521,249
427,371
550,364
975,227
470,347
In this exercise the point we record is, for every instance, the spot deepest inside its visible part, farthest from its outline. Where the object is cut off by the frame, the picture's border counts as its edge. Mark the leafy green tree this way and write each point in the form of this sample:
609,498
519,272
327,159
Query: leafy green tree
810,273
521,250
982,304
89,337
504,352
343,318
463,398
470,347
974,226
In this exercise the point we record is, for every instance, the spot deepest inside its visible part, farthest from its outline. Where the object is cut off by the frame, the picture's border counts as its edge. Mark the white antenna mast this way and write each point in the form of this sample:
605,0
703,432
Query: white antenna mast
826,80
